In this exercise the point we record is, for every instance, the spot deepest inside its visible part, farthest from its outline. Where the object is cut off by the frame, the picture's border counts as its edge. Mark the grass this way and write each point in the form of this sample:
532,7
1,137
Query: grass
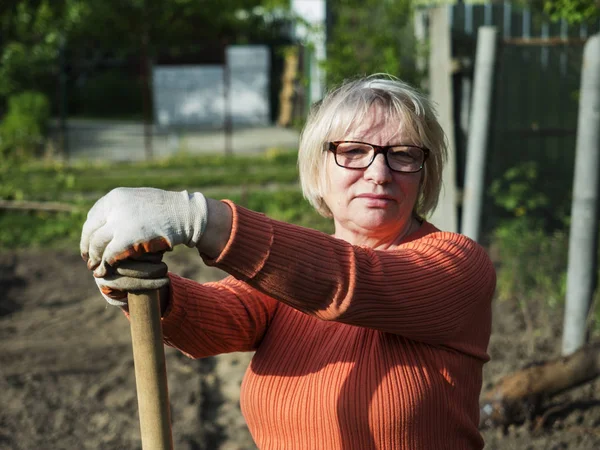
266,182
58,181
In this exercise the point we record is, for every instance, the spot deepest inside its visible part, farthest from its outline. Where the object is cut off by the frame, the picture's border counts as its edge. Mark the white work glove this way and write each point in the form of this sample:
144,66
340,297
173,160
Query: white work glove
129,222
133,276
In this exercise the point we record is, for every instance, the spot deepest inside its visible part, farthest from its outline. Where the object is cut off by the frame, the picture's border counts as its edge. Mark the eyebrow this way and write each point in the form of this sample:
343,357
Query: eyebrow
410,144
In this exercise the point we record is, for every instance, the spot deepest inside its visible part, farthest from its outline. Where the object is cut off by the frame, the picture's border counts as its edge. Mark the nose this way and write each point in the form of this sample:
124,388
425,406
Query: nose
378,172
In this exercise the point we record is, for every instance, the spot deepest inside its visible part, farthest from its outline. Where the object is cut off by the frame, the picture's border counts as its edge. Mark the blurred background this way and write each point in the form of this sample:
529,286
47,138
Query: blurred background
212,95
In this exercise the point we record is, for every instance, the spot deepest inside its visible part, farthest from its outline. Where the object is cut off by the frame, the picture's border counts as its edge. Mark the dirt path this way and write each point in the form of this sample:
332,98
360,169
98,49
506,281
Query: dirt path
66,369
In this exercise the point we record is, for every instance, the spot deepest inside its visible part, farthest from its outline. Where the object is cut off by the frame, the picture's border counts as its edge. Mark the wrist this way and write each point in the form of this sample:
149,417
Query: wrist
197,218
218,229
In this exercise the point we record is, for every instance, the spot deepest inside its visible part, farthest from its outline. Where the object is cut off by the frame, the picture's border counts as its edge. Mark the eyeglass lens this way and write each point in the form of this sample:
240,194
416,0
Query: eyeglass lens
359,156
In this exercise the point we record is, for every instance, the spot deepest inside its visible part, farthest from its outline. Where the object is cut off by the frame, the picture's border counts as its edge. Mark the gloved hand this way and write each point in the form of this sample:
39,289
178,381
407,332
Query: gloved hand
128,222
133,276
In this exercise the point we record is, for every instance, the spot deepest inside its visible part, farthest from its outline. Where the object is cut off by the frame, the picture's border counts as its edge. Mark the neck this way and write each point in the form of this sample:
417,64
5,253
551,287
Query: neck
377,241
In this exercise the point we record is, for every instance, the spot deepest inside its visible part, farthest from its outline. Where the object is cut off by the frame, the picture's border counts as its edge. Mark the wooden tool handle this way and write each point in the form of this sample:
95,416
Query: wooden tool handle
150,371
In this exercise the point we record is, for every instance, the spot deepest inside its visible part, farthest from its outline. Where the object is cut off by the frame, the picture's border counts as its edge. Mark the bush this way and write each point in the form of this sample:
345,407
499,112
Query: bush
23,130
532,271
533,263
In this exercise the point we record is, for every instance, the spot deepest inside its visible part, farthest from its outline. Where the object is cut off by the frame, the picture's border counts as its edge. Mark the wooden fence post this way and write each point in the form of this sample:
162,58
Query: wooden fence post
479,124
440,83
583,236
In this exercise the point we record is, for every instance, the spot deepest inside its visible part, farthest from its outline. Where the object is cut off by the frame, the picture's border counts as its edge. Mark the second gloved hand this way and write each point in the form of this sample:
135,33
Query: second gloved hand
129,222
133,276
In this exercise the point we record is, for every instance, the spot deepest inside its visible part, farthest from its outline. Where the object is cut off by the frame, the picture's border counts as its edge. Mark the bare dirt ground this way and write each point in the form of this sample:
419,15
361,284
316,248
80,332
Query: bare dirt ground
67,379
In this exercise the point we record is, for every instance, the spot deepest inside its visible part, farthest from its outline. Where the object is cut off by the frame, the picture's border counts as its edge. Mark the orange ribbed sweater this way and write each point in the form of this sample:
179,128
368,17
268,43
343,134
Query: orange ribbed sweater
355,348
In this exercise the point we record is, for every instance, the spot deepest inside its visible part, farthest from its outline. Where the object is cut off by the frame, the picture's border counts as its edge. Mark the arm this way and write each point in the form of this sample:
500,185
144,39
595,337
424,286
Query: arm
207,319
427,289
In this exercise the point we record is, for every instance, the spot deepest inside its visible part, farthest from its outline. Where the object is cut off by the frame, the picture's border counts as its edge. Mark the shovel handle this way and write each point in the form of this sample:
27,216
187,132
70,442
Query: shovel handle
150,371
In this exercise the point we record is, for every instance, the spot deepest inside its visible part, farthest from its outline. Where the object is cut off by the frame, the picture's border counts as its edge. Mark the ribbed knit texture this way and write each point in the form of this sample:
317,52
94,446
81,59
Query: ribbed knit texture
355,348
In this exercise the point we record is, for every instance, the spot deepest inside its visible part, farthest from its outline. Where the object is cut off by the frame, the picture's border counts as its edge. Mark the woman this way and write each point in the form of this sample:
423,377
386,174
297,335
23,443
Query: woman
373,338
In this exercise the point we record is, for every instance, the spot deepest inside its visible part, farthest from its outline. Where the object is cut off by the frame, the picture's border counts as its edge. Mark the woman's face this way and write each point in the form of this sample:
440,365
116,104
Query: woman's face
375,203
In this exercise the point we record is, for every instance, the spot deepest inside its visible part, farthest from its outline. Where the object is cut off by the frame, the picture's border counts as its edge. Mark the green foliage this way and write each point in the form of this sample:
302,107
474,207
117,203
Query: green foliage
532,269
523,192
531,244
31,38
148,26
60,182
371,36
18,70
574,11
40,229
533,262
532,255
23,129
515,191
34,32
266,182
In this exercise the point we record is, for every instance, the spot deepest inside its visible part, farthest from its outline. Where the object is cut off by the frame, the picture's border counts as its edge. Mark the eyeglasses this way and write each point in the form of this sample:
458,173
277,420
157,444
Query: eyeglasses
360,155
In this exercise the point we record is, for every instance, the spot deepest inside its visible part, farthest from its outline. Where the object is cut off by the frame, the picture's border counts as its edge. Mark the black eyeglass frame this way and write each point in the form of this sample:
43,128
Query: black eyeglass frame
333,145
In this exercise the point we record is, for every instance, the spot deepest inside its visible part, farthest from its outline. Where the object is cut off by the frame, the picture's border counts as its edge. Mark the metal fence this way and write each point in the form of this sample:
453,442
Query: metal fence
107,113
534,116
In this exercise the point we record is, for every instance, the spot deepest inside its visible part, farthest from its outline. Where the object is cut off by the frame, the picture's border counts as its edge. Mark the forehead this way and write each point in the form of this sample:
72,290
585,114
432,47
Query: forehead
376,127
378,123
375,132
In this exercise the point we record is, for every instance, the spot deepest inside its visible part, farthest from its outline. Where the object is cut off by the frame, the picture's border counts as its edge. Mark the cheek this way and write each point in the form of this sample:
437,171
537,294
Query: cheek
338,180
409,182
338,189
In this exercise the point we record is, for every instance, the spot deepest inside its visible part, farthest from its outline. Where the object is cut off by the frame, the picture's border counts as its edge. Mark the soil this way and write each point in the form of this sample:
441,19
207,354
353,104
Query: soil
67,379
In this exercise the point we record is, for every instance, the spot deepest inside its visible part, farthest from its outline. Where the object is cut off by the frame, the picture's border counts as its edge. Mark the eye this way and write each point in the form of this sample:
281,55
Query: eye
406,154
353,150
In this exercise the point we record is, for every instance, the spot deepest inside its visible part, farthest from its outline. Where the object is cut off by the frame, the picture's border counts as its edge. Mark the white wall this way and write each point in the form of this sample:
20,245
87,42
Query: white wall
194,96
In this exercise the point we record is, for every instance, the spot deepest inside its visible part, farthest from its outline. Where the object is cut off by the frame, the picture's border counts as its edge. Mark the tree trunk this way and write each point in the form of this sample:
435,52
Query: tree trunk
518,395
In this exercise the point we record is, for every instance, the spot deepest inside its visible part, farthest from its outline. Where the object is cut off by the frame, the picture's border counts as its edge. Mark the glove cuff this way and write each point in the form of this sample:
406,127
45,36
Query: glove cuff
198,217
110,301
113,302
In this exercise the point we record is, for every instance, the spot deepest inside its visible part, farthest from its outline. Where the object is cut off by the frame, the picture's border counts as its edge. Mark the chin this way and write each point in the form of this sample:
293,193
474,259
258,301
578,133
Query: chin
378,225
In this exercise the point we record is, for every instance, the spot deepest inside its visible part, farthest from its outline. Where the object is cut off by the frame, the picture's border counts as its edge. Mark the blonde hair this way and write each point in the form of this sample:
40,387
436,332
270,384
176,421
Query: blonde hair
348,105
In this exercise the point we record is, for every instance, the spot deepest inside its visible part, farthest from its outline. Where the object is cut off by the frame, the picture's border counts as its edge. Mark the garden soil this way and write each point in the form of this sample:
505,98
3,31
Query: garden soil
67,379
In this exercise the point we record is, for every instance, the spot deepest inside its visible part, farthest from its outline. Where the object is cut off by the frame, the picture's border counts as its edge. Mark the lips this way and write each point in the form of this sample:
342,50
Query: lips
376,200
376,196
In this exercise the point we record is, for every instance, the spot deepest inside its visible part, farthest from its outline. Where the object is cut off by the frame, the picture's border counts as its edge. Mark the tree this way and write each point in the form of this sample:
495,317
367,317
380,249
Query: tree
35,34
370,36
574,11
31,32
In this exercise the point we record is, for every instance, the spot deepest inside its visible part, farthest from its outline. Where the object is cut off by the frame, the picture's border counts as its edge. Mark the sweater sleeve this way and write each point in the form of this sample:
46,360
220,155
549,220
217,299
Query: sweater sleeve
427,289
212,318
